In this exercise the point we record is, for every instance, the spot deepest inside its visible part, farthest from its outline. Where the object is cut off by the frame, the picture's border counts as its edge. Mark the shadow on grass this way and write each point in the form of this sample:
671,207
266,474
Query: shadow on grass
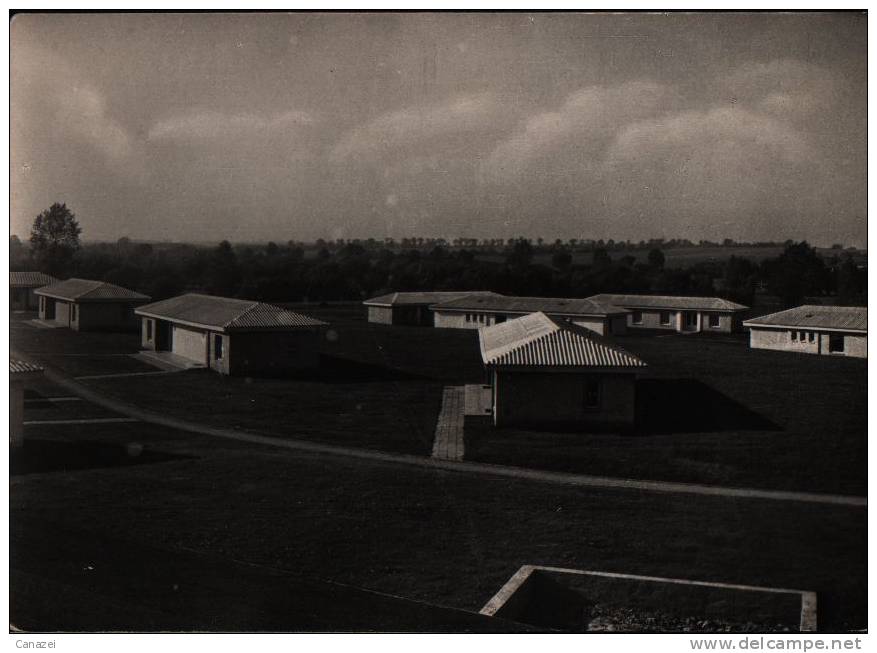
690,406
40,456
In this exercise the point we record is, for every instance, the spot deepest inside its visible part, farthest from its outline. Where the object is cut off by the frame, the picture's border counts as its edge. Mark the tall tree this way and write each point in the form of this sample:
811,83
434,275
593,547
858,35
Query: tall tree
54,239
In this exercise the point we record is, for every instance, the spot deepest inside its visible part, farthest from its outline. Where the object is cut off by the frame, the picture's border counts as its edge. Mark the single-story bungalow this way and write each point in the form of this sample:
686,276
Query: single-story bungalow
410,308
231,336
682,314
22,286
808,329
20,374
548,371
486,309
88,305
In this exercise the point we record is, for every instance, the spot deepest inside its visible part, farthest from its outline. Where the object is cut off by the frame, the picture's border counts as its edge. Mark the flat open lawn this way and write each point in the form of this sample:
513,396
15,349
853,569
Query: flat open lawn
443,537
77,353
714,411
379,413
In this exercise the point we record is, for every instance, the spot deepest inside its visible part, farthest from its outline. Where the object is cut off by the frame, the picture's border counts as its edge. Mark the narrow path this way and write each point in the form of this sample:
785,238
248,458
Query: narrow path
555,478
448,443
120,375
90,420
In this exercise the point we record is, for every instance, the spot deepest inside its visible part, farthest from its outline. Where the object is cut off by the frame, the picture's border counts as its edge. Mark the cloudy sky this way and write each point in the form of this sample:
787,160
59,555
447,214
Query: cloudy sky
299,126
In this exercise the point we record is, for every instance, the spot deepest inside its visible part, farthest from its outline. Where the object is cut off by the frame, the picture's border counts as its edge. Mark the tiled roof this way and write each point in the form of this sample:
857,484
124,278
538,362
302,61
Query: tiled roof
670,302
421,298
849,318
539,340
524,305
225,313
89,290
29,279
22,367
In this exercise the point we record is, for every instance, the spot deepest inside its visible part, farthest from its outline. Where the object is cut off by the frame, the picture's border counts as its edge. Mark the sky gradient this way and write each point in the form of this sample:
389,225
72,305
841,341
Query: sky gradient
298,126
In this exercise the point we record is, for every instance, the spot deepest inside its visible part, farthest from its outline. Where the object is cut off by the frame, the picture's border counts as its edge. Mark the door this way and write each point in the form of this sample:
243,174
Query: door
689,320
190,344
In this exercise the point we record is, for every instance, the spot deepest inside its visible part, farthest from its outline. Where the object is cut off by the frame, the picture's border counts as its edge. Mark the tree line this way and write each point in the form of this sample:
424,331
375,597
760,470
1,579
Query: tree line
295,272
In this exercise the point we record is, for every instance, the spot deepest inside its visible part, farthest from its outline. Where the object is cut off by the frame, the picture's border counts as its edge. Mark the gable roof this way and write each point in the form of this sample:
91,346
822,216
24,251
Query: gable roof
88,290
421,298
29,279
669,302
539,340
226,314
842,318
524,305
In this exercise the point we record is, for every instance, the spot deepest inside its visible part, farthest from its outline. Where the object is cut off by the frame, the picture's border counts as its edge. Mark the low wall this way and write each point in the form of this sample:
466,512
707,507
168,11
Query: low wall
556,597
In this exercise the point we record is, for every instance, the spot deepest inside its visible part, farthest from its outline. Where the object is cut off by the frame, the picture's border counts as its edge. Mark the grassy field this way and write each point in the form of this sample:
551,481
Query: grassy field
710,409
713,411
441,537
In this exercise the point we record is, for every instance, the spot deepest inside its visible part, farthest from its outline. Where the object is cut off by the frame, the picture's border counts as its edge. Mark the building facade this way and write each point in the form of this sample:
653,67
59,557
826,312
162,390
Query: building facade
478,312
810,329
22,289
88,305
231,336
20,374
548,372
680,314
409,308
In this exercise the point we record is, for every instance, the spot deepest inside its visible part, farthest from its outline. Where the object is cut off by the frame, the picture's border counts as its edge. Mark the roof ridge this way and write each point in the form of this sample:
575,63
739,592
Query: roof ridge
526,340
242,313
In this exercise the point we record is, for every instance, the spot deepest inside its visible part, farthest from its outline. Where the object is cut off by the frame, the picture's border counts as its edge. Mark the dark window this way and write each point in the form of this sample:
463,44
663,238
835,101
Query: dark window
149,330
714,320
73,312
468,317
637,317
591,397
665,317
836,343
217,346
811,336
794,335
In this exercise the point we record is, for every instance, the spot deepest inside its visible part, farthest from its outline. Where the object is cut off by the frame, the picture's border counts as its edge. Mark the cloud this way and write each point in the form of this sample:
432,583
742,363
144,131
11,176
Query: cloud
786,88
720,133
209,125
583,125
449,125
51,101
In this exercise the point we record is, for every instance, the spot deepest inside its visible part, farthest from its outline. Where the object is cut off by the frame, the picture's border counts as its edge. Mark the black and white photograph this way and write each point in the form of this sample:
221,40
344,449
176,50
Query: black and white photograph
439,322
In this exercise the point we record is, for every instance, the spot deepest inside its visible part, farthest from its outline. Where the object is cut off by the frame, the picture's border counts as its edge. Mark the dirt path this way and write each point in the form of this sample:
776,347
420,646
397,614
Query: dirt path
556,478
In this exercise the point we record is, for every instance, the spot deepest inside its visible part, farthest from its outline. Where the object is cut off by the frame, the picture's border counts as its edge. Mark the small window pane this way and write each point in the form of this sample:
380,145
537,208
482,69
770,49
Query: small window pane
591,398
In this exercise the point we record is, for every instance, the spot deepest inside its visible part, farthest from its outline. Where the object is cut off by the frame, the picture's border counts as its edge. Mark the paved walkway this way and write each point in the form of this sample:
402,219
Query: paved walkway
448,443
485,469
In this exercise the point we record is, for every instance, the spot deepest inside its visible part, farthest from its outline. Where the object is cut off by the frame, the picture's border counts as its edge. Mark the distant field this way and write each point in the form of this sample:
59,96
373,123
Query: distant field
681,256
